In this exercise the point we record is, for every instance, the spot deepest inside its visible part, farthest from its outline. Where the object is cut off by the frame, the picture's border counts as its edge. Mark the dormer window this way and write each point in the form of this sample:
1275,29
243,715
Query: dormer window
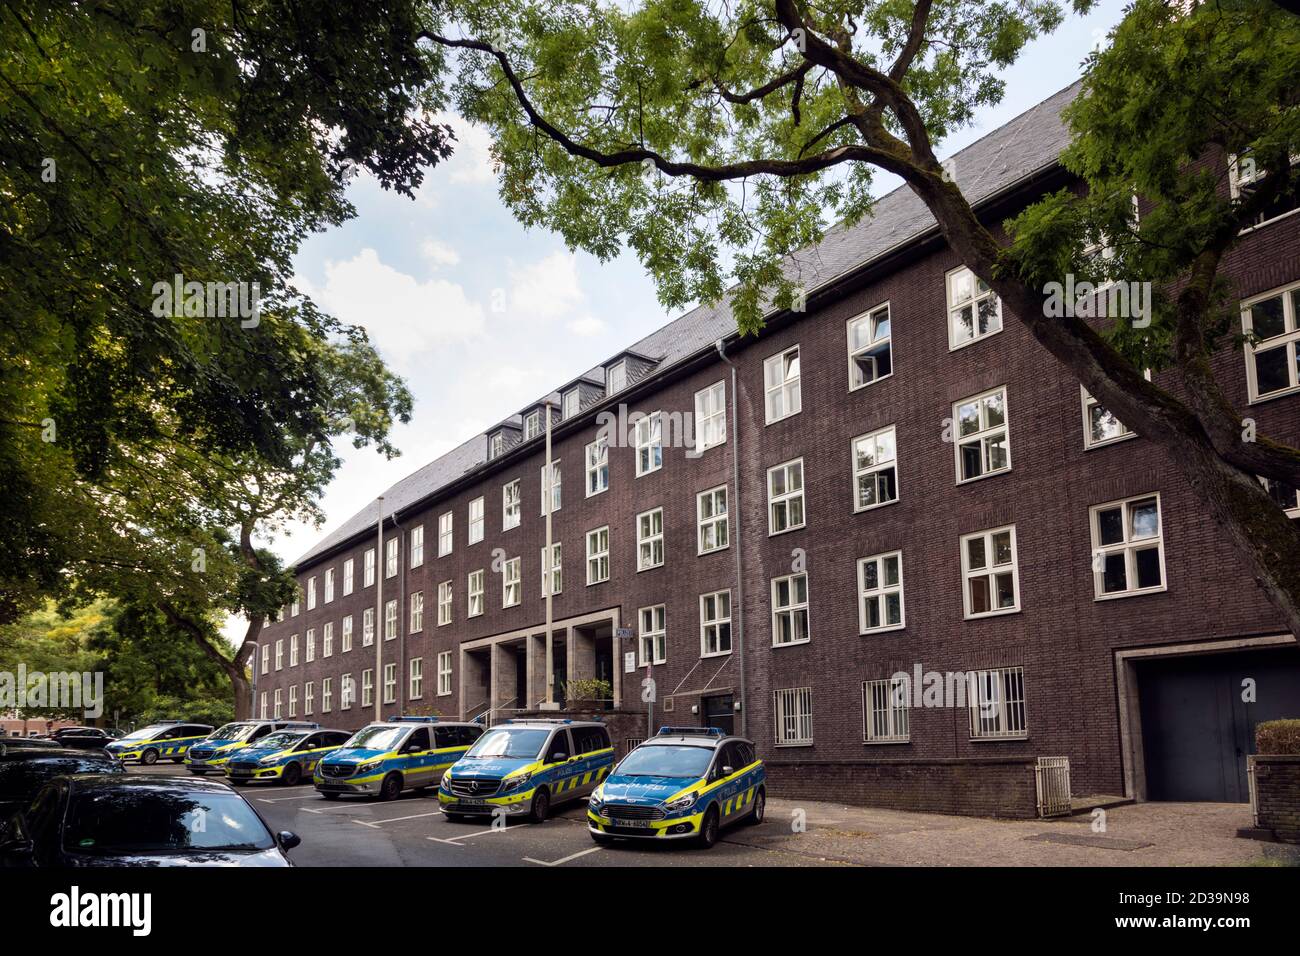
532,424
616,378
570,403
496,445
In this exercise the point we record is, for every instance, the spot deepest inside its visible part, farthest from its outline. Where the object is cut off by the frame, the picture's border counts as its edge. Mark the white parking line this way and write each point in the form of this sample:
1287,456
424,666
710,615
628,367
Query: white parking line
414,816
455,841
305,796
563,860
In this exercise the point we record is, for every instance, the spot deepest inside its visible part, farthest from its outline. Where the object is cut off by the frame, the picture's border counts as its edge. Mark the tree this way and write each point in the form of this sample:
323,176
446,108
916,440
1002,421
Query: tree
694,133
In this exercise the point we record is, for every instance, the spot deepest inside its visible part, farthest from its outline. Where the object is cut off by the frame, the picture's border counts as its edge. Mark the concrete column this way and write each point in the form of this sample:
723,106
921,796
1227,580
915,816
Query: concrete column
505,667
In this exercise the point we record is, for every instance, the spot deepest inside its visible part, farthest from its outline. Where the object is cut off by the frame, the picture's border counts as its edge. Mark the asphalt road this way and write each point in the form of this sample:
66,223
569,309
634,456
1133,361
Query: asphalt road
412,831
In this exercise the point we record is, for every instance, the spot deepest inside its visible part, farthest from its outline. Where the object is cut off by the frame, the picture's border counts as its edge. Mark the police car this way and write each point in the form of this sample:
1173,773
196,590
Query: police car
527,767
284,756
167,738
384,758
213,751
686,782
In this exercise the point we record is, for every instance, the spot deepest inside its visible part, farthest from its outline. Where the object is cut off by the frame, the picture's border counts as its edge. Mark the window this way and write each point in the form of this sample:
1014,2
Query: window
1127,547
598,555
475,521
390,620
347,692
368,569
711,515
785,497
988,564
311,644
997,704
349,571
884,711
326,694
974,312
781,385
870,349
556,566
1272,326
1287,498
279,654
793,711
532,424
416,680
475,593
711,416
390,683
790,610
444,534
327,641
329,585
265,715
390,558
444,603
368,687
309,698
266,658
276,711
417,611
983,441
875,470
511,585
444,674
511,501
570,403
293,701
616,378
417,546
1244,175
496,445
654,646
1100,427
880,592
347,634
368,627
598,466
650,539
715,623
649,440
555,486
293,650
311,593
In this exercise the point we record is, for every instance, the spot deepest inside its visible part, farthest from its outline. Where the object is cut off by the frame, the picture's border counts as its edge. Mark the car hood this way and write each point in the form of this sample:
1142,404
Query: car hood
213,743
645,790
489,768
259,858
353,755
257,753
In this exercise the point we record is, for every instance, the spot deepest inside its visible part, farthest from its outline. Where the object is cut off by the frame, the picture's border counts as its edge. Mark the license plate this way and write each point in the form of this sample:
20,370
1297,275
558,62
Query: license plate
635,824
241,773
472,801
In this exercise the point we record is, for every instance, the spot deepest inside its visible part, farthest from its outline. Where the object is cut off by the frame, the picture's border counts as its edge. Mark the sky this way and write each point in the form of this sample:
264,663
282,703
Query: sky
482,316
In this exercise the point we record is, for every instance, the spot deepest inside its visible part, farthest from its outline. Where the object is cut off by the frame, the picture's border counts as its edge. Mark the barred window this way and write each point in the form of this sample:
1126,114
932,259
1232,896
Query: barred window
884,711
997,704
793,711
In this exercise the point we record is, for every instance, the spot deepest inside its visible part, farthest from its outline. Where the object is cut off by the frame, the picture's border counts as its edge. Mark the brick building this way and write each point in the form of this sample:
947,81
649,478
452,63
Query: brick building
898,479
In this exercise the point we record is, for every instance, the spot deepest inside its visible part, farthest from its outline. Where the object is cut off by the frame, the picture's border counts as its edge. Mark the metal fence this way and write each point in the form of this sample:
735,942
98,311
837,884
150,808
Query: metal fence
1052,776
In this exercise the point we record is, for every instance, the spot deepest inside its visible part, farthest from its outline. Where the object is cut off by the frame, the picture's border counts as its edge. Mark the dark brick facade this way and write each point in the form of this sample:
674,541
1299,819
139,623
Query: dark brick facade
1276,792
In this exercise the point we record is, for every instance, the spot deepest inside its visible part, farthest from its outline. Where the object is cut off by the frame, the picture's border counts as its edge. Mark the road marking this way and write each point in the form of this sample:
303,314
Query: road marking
305,796
414,816
455,841
563,860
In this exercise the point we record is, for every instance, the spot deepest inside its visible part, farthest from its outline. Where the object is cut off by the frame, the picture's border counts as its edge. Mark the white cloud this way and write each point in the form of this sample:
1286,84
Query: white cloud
587,326
547,289
439,253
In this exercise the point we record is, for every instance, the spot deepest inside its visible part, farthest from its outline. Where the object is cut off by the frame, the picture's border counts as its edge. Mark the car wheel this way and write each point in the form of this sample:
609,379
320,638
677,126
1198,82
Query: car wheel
149,758
291,776
760,807
391,788
541,807
709,828
328,795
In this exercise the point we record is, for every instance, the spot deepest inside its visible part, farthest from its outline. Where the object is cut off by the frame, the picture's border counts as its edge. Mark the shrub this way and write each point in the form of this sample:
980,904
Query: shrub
1278,737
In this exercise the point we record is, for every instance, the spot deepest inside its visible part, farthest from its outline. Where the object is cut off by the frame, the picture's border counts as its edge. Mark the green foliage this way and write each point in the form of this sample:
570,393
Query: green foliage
1278,737
591,688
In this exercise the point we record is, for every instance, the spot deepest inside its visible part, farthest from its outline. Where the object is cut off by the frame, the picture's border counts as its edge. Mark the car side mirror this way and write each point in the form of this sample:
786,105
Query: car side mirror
559,755
287,840
728,771
411,749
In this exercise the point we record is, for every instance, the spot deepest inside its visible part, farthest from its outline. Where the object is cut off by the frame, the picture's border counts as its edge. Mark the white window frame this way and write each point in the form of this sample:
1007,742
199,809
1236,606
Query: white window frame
368,627
390,556
266,658
880,593
1288,341
786,498
616,377
279,654
275,713
1129,547
347,692
532,424
309,650
713,626
880,441
444,673
983,435
792,715
265,715
557,572
496,445
652,635
368,687
956,303
872,319
512,504
368,568
649,540
390,683
477,521
309,698
327,639
1292,510
446,595
293,700
311,593
417,612
990,571
711,417
597,459
349,576
1236,180
329,586
326,695
792,610
648,440
475,588
893,693
390,619
1012,709
1089,442
417,546
569,410
345,637
557,487
512,585
598,557
415,679
446,533
719,522
781,387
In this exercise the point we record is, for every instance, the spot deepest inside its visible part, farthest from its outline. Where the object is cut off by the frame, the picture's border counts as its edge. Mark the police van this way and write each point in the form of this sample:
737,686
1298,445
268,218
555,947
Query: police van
212,752
685,782
171,739
284,756
527,767
386,757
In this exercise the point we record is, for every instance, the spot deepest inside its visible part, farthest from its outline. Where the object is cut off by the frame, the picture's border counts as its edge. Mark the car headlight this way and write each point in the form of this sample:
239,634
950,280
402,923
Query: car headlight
597,796
368,768
514,783
268,760
681,803
446,778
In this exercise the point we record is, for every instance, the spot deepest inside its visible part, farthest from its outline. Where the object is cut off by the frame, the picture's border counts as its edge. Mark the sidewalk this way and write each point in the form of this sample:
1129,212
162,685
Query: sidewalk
1144,834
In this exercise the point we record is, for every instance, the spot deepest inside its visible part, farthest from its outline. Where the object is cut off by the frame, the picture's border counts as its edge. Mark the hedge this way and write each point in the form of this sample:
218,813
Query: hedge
1278,737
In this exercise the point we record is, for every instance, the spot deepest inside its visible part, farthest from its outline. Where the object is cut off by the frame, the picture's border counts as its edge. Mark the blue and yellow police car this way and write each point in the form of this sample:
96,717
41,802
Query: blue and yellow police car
685,782
213,751
384,758
527,767
167,738
284,756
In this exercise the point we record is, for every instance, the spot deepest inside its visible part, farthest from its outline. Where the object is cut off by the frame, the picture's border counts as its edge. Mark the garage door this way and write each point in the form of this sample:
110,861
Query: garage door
1197,730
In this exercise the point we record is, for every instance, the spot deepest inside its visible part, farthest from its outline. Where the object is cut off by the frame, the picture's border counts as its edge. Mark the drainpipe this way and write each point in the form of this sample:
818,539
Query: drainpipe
401,623
379,611
738,610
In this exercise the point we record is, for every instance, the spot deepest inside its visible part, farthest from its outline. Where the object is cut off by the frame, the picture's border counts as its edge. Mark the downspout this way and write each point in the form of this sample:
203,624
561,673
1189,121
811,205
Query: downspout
738,610
402,544
379,611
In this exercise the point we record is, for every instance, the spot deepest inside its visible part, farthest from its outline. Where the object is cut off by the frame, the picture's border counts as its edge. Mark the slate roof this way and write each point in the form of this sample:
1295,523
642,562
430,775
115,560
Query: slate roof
1026,145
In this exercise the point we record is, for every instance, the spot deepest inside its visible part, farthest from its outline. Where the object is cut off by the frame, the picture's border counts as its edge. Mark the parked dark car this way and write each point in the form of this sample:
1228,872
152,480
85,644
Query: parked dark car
128,820
82,738
17,743
24,770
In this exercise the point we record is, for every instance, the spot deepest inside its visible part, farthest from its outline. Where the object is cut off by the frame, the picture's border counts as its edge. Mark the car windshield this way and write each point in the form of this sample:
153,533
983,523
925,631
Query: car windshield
376,738
520,743
234,732
149,820
662,760
279,741
147,733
